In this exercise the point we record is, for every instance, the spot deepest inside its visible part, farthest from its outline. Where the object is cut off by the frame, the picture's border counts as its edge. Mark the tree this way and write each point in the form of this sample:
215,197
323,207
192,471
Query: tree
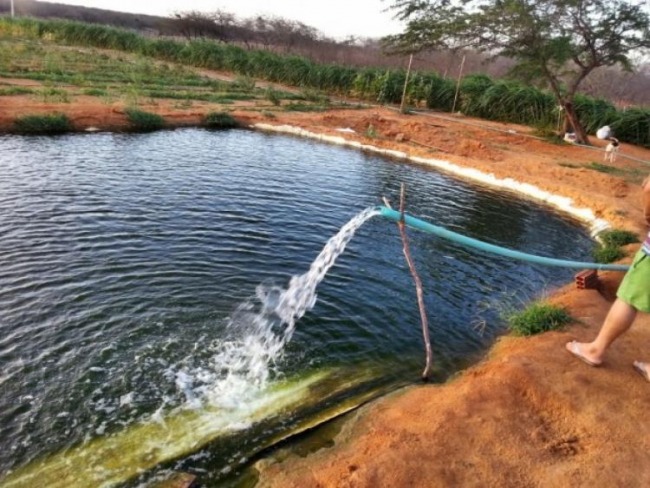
559,42
196,24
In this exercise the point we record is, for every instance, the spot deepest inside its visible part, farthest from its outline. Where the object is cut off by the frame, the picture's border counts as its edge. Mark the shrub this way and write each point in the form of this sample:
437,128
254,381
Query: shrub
220,120
538,317
43,124
144,121
607,254
617,237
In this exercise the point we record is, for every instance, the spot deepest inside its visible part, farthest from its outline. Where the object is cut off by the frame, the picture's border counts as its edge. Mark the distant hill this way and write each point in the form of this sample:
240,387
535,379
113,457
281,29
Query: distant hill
33,8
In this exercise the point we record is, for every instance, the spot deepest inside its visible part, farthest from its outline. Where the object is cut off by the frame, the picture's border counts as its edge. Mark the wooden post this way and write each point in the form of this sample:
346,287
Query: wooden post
406,82
460,75
418,288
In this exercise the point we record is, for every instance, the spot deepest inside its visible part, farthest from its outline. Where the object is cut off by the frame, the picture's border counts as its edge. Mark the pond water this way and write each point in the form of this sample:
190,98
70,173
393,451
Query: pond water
130,273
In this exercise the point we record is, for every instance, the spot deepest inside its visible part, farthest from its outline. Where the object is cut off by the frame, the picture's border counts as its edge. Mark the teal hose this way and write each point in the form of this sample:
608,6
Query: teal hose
491,248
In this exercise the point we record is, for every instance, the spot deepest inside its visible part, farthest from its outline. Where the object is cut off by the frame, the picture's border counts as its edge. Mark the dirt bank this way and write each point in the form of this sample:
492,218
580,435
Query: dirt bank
529,414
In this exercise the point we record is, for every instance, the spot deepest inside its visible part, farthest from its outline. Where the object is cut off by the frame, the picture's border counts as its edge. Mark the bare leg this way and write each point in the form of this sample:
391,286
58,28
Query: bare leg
618,320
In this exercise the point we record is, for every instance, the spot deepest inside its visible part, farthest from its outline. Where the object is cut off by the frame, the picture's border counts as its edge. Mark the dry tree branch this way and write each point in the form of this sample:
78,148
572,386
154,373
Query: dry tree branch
418,287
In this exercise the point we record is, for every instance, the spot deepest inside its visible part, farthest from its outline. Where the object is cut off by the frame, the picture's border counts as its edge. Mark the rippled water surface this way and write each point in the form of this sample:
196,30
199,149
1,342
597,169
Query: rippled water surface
125,258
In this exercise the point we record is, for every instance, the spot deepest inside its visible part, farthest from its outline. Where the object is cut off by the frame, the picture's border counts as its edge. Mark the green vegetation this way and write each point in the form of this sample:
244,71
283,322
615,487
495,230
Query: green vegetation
152,68
304,107
53,95
144,121
43,124
538,317
220,120
607,254
611,242
617,237
549,42
272,96
633,175
17,90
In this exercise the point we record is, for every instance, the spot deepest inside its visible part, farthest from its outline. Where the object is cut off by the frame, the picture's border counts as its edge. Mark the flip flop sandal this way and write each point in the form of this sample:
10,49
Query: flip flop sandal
574,349
642,369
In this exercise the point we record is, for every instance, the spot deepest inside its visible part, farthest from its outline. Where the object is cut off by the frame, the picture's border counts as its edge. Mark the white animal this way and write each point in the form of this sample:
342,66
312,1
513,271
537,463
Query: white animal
611,150
604,132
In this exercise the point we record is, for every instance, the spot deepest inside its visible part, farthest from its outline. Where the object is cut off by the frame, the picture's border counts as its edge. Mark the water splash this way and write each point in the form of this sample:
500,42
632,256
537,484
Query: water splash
258,331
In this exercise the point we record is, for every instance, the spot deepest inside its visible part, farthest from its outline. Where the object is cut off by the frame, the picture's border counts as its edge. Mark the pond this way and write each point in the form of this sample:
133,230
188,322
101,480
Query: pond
139,274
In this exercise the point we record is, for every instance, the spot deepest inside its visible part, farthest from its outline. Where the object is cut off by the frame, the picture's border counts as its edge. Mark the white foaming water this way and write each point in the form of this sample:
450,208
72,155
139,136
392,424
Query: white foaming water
258,331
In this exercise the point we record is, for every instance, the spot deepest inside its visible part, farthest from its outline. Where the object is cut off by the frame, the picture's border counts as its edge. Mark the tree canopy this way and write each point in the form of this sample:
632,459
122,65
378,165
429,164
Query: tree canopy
553,42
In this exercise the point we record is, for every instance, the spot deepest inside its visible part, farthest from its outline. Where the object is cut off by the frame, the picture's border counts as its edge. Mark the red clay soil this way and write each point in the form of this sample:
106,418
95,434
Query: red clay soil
529,414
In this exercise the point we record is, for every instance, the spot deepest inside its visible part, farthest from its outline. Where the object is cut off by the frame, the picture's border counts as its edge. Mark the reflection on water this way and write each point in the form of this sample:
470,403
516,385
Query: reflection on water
124,258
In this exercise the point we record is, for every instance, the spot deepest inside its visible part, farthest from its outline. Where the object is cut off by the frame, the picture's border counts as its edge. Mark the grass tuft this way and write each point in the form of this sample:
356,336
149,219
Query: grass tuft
538,317
144,121
220,120
43,124
607,254
617,237
610,249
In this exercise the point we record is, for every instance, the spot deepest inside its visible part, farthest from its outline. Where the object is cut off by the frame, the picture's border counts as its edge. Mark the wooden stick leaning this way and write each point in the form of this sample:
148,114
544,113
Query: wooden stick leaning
418,288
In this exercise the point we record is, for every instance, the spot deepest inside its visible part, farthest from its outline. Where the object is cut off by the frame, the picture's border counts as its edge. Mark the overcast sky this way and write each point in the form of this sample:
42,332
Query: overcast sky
335,18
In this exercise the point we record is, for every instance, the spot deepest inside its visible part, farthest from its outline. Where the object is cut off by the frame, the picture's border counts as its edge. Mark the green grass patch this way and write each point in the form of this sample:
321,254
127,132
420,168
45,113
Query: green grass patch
617,237
15,90
272,96
538,317
610,248
604,168
144,121
311,95
220,120
244,84
43,124
303,107
635,175
49,95
607,254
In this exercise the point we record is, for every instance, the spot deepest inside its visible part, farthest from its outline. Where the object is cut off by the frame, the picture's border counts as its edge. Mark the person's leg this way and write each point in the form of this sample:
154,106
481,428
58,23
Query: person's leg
646,199
618,320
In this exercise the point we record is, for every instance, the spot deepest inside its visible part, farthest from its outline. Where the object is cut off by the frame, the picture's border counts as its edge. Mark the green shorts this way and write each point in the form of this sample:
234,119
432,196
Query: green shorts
635,288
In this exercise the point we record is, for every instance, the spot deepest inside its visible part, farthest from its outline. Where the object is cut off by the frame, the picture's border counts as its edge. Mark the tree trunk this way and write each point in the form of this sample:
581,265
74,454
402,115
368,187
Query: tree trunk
572,124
